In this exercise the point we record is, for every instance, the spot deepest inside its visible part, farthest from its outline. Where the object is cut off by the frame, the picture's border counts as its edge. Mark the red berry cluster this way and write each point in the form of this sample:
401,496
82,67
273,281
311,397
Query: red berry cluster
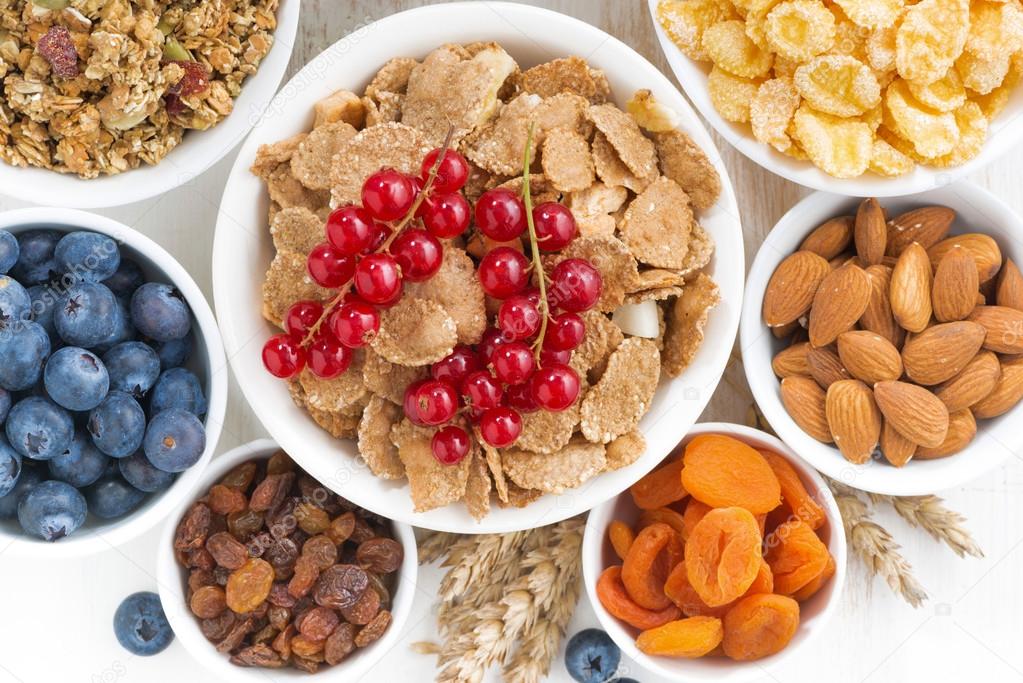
368,255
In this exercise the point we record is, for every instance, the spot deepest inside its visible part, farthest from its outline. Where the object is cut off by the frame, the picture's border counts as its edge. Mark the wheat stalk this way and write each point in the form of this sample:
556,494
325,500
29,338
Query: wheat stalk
930,514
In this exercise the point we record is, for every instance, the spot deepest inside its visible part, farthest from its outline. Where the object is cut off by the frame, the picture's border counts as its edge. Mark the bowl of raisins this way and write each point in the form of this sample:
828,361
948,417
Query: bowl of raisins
268,569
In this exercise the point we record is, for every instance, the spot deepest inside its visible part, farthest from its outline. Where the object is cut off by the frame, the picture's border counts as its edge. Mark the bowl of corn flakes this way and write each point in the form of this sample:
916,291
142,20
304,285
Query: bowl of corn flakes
613,144
860,97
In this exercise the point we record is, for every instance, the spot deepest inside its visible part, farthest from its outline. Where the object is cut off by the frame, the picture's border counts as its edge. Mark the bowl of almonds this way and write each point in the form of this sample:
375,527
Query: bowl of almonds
882,339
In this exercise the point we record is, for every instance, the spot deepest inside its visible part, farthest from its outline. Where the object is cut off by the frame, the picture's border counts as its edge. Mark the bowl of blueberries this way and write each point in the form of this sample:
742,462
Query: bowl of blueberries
113,383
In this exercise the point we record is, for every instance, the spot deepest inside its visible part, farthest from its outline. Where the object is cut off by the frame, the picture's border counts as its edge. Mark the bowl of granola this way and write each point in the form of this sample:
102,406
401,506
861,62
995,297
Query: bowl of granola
631,210
93,90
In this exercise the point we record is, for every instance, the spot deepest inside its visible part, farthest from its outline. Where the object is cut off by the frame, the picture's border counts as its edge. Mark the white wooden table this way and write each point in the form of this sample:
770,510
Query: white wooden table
56,617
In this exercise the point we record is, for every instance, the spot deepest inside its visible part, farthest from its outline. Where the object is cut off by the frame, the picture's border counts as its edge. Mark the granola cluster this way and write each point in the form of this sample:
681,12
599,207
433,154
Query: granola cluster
97,87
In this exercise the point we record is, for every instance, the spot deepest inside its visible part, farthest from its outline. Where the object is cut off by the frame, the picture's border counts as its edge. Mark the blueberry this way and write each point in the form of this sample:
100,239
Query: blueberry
159,312
141,626
133,367
177,388
112,497
175,440
39,429
140,473
81,464
117,425
591,656
174,353
29,479
5,404
10,467
36,264
43,302
52,510
15,303
126,279
76,379
123,329
87,256
9,251
85,314
23,349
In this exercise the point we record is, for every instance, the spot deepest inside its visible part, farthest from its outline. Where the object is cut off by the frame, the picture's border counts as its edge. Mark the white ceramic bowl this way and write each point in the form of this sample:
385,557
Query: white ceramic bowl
814,614
207,362
977,211
173,581
197,152
1005,133
243,250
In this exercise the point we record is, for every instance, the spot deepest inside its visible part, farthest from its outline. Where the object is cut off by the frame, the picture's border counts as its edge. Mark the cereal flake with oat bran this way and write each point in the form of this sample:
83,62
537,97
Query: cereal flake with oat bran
485,333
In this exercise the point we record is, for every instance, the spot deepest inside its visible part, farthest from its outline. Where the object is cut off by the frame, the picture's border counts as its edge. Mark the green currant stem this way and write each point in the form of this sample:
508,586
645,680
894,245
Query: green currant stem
534,244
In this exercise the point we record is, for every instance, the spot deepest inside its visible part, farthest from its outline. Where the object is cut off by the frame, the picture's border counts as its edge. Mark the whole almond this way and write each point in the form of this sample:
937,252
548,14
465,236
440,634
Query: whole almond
954,293
878,315
1010,286
897,449
870,232
941,351
927,226
825,366
831,238
842,297
915,412
1006,394
984,250
792,287
976,382
1004,327
854,419
962,427
804,400
910,289
791,361
869,357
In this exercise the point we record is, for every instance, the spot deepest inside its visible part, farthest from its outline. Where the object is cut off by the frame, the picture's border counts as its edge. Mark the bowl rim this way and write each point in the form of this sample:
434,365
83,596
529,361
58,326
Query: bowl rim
689,73
170,579
593,542
729,264
51,188
872,476
121,531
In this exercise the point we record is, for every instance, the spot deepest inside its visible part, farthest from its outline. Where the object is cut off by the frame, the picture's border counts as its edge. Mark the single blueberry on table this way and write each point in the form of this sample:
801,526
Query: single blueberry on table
140,473
9,251
29,479
85,314
10,467
36,264
126,279
591,656
112,497
76,379
175,440
23,349
177,388
174,353
141,626
160,312
15,303
87,256
52,510
117,425
39,429
43,300
81,464
133,367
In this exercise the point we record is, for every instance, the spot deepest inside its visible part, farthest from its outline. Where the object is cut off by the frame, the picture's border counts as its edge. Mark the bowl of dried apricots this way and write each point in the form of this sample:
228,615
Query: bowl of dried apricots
729,553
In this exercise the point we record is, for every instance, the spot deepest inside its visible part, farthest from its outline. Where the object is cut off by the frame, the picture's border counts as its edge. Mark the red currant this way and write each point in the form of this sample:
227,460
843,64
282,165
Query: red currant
554,225
503,272
283,356
380,234
575,285
409,403
351,230
488,342
500,427
456,365
555,387
450,445
446,215
387,194
436,402
355,323
520,397
328,267
301,316
328,358
549,356
518,318
513,362
565,332
378,278
481,390
418,253
500,215
451,174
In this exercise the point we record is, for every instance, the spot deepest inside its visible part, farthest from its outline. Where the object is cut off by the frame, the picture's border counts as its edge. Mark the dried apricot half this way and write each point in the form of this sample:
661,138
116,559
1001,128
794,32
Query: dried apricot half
796,556
663,516
685,597
722,555
808,591
655,552
612,595
725,472
661,487
793,493
692,637
695,511
621,536
760,625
